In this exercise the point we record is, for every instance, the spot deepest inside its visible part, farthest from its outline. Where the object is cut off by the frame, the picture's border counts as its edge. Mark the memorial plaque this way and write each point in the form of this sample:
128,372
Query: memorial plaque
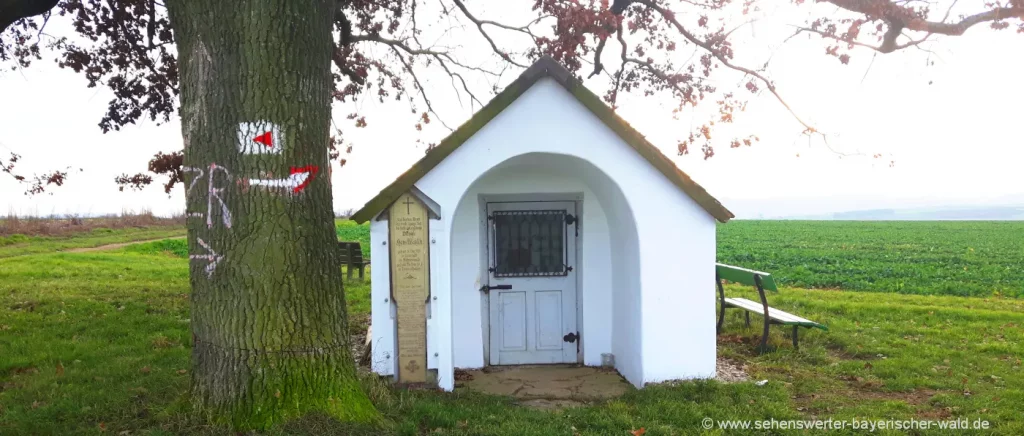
410,284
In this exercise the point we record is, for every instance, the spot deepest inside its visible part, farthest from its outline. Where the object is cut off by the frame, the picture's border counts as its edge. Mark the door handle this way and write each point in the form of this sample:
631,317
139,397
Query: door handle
487,288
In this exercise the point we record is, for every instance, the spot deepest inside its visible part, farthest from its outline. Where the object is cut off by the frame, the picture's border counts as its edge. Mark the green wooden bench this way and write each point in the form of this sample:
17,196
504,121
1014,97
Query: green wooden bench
352,256
762,281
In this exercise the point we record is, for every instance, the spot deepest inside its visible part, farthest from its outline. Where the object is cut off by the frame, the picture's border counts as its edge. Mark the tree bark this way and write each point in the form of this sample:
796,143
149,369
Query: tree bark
269,332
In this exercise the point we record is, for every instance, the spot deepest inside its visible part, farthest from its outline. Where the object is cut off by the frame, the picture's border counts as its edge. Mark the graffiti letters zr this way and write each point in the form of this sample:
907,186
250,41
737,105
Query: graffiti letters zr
213,193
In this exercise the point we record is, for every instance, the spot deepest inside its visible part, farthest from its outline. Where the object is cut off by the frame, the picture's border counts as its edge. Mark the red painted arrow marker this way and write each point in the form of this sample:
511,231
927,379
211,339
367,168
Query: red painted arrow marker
266,138
310,169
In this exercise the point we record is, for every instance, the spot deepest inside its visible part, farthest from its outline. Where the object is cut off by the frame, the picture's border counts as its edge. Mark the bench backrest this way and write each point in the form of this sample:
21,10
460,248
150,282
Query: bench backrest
351,253
745,276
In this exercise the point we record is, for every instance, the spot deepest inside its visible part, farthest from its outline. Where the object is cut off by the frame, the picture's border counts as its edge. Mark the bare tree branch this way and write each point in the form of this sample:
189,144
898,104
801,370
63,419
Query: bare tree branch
886,47
419,86
480,27
902,17
598,66
461,79
709,47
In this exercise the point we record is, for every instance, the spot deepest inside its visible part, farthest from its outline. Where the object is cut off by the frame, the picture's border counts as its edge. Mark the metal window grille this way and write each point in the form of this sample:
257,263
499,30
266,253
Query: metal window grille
529,243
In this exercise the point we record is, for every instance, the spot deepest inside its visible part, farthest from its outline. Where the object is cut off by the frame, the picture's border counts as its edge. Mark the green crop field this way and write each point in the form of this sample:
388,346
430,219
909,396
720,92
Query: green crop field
965,258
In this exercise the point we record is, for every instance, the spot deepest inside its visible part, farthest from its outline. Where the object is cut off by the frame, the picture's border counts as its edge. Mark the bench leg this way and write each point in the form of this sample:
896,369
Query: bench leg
767,321
349,271
721,299
361,272
795,345
747,315
763,348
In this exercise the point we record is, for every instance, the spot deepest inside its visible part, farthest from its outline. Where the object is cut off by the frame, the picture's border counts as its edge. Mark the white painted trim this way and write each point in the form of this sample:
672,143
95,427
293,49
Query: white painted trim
382,315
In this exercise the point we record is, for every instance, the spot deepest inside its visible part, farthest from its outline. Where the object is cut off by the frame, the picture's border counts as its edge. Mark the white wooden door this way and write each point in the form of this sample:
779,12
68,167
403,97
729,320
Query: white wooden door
531,251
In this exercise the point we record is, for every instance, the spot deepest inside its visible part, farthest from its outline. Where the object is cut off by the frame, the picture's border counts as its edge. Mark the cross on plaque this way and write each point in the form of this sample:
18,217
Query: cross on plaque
408,204
412,366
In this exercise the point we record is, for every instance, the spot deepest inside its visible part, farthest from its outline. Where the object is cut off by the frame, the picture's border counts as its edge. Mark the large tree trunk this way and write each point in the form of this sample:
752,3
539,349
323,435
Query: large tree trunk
269,327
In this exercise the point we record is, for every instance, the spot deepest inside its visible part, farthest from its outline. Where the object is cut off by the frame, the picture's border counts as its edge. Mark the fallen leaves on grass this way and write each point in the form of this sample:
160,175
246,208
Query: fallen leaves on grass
145,369
163,342
60,369
639,432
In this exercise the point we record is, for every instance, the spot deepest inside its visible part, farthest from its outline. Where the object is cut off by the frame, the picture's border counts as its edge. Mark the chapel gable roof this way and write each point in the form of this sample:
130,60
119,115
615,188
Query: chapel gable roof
544,67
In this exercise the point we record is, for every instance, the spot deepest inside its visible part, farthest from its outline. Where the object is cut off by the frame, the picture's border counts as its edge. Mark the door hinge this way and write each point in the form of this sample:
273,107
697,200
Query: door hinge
573,337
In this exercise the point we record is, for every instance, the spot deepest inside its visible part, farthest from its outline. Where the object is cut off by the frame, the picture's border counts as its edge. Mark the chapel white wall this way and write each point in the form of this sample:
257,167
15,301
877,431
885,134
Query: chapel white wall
666,331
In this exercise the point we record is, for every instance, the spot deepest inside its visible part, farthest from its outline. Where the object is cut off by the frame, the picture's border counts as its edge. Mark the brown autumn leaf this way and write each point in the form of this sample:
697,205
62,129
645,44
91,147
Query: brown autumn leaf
103,427
182,371
60,369
868,365
145,369
639,432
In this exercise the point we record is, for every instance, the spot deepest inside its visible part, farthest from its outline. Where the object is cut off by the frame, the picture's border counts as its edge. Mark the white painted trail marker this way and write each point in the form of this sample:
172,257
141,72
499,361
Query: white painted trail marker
212,257
214,192
296,182
260,137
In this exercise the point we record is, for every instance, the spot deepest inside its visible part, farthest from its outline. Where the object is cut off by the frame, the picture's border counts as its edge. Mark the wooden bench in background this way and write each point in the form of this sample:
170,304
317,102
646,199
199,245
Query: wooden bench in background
352,257
762,281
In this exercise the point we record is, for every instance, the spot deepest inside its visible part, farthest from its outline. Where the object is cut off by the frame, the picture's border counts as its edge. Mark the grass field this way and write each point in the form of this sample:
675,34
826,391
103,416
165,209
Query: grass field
19,244
99,342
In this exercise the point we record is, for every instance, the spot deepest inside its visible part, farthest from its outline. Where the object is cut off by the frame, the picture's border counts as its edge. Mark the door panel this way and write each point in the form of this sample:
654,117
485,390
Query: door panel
531,252
513,320
548,320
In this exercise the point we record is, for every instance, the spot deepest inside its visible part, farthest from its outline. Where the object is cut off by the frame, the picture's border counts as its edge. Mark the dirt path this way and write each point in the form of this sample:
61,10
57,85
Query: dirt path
114,246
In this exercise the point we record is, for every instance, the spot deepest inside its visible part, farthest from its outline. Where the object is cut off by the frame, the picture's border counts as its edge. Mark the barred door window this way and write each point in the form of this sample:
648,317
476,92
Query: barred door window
529,243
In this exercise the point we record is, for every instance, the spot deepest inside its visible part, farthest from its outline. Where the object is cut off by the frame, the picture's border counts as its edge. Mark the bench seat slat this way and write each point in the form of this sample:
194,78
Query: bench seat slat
773,313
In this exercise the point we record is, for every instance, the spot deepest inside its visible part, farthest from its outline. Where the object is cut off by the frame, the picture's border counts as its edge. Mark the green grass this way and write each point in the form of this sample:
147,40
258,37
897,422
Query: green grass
965,258
99,342
17,244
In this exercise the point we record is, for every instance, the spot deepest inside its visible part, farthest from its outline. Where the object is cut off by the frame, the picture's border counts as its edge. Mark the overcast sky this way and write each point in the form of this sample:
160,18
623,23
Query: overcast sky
953,130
